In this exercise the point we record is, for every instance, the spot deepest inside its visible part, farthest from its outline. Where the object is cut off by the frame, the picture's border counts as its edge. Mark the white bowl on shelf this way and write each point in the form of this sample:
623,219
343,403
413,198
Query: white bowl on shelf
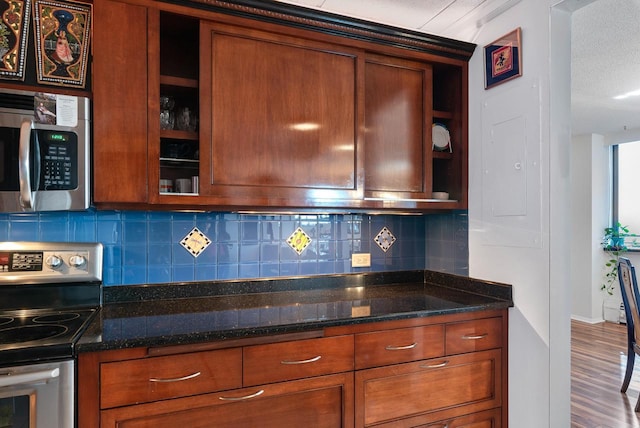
440,195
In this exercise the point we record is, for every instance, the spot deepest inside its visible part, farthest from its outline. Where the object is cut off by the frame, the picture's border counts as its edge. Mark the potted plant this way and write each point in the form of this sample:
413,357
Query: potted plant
613,245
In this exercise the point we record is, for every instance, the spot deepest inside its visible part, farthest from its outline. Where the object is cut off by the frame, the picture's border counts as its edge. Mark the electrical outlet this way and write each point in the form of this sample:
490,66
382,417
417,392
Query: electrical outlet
360,311
360,259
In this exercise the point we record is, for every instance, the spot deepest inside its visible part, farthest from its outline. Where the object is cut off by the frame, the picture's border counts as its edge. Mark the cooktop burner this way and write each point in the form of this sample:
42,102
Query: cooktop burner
27,333
41,334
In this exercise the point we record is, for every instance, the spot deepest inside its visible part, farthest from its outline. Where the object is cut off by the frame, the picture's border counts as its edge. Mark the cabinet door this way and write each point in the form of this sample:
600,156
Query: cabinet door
278,120
322,402
119,103
398,140
427,390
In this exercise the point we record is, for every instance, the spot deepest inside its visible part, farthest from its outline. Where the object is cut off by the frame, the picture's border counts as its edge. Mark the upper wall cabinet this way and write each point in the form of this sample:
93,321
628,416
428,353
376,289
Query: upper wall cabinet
228,106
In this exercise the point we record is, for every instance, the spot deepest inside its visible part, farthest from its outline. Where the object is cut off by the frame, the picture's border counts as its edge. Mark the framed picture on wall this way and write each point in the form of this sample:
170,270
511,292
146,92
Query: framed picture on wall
503,59
14,32
62,42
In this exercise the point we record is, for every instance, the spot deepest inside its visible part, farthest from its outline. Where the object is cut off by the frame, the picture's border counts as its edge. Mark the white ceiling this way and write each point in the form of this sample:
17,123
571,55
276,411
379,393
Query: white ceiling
605,44
456,19
605,47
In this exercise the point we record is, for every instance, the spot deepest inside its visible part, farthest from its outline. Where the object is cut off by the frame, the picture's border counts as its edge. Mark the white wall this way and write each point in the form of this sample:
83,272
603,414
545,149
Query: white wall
591,202
527,245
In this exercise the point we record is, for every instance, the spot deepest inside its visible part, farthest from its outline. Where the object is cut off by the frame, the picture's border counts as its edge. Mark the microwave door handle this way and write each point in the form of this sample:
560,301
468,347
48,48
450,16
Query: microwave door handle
24,168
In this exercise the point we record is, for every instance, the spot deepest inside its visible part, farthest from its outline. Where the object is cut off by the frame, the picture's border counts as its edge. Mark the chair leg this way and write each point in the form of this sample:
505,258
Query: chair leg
631,357
638,405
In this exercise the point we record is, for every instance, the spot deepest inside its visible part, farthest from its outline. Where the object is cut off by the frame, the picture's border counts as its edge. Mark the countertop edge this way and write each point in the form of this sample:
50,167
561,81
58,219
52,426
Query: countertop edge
221,335
493,296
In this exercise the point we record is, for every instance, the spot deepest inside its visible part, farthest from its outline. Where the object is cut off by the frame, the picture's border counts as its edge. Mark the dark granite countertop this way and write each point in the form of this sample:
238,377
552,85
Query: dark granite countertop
175,314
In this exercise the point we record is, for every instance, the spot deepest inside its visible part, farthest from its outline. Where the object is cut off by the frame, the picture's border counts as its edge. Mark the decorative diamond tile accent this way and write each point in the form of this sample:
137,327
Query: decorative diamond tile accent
195,242
385,239
299,240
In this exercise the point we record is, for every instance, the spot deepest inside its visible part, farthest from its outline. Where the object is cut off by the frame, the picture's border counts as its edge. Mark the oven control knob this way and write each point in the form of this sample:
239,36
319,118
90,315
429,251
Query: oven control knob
53,261
77,261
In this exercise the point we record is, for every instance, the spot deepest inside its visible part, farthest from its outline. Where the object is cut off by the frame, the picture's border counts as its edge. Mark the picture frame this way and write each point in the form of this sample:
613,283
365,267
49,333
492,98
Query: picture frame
15,16
62,30
503,59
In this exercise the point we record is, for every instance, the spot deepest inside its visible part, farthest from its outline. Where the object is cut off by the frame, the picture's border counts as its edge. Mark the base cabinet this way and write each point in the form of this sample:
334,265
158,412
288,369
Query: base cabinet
446,371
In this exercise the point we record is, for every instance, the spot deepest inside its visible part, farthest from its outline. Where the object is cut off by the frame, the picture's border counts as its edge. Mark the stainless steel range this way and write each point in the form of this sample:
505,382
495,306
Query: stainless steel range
48,294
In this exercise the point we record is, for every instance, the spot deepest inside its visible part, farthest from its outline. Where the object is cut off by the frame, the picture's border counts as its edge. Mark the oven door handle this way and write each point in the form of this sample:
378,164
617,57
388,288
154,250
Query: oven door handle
9,379
24,167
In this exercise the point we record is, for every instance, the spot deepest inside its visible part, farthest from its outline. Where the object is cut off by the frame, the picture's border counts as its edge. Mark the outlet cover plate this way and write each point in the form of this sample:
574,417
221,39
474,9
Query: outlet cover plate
361,260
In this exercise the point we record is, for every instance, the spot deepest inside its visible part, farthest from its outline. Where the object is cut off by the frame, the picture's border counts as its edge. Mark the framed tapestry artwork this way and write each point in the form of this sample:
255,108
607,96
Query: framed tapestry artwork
503,59
15,16
62,42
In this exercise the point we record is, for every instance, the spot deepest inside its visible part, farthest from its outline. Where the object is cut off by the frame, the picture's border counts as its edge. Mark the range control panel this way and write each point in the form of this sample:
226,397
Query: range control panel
38,262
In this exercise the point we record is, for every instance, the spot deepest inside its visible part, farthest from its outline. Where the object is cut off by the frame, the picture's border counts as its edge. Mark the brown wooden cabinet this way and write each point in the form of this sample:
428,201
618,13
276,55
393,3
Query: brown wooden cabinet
454,384
309,382
466,375
397,142
280,115
120,73
174,105
422,372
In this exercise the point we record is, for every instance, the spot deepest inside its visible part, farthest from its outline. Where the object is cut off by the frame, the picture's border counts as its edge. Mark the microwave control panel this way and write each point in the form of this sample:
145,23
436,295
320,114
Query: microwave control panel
59,160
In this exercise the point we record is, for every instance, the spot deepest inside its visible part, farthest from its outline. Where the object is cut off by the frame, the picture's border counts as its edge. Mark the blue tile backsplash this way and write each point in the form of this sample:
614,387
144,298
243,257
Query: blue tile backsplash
144,247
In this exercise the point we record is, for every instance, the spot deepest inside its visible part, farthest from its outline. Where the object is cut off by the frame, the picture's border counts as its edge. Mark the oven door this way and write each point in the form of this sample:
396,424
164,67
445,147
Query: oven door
37,396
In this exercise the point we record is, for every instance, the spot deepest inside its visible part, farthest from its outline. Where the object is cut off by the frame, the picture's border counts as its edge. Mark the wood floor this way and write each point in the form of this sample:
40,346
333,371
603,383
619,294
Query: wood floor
598,363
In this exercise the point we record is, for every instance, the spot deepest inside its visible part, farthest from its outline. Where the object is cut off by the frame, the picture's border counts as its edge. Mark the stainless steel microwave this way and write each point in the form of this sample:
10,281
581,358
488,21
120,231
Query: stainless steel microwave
44,152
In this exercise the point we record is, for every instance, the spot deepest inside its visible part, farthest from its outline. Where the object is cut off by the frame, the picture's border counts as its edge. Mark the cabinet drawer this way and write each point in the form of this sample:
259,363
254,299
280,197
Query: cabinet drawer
295,360
488,419
459,385
471,336
399,346
319,402
157,378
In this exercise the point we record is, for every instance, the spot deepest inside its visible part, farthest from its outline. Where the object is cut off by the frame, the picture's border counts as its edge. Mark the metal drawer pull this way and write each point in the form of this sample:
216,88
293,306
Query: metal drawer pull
400,348
476,337
178,379
246,397
310,360
434,366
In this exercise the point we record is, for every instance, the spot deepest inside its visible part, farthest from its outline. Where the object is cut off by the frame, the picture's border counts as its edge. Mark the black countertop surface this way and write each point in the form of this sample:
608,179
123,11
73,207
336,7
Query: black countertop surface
175,314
